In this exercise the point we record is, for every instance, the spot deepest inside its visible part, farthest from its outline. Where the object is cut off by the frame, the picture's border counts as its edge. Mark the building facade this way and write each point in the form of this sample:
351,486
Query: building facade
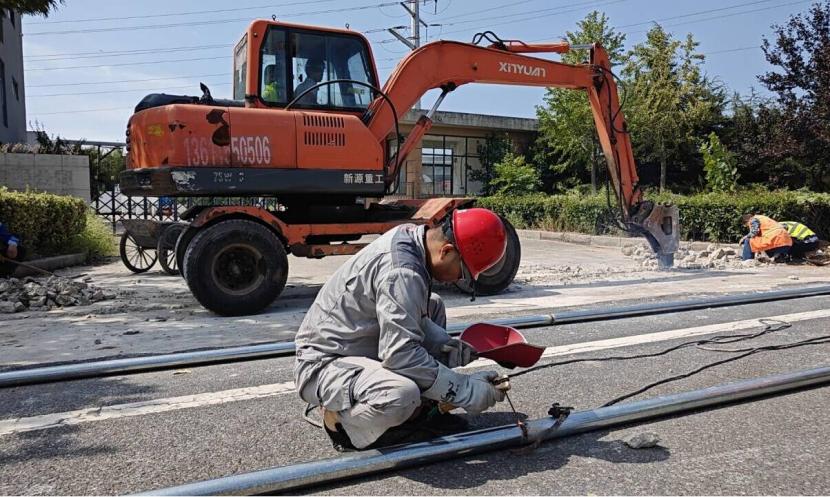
12,94
445,162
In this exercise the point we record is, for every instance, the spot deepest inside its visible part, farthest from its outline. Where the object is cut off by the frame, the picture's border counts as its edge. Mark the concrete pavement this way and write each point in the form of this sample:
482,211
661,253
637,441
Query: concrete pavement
155,313
774,446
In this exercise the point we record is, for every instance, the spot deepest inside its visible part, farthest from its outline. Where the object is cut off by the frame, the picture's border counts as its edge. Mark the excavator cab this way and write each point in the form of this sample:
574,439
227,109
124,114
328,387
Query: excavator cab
320,69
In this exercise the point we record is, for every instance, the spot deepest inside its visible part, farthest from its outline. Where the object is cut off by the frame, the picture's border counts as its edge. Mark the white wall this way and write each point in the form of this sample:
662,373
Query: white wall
60,174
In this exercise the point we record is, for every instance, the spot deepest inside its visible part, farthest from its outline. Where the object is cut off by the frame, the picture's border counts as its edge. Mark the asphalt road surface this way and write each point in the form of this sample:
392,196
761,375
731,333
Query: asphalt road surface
136,433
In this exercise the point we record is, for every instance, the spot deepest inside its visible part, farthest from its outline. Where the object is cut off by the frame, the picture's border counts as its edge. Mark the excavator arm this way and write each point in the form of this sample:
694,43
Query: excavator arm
447,65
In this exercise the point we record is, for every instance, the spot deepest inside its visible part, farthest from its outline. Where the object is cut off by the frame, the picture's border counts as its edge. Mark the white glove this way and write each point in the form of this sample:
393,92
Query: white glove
474,393
458,353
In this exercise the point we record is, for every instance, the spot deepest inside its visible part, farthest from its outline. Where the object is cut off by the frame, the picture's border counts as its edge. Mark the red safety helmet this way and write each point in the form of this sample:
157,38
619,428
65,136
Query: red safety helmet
480,238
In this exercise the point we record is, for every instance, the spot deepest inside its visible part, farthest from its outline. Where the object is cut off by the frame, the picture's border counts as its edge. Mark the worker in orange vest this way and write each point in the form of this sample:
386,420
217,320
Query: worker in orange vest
765,235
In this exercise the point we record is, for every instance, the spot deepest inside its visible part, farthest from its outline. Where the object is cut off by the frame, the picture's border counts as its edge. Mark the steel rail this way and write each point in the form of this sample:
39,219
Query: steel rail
283,479
133,365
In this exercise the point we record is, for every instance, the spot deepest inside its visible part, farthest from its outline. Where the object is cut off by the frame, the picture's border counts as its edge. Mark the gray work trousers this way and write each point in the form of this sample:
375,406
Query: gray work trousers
368,398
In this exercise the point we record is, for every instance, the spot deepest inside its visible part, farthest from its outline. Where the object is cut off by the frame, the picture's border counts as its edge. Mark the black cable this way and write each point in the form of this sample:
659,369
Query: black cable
769,327
811,341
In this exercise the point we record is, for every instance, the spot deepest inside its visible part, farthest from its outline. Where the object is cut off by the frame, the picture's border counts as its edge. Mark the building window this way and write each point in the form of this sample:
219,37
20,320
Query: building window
11,17
16,89
446,164
3,93
436,170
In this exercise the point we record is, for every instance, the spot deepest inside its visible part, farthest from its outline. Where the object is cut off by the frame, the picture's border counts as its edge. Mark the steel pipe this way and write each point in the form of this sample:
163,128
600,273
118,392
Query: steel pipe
360,464
132,365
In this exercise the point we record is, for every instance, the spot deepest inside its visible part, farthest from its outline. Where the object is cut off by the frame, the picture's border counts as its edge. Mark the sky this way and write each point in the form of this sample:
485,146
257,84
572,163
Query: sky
91,61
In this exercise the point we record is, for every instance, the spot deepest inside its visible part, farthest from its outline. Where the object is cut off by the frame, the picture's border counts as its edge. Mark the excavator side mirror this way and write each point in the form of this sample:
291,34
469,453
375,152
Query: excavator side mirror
207,98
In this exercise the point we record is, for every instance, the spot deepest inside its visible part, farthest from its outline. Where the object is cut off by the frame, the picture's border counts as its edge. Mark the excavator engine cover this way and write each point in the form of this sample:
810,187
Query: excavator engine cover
503,344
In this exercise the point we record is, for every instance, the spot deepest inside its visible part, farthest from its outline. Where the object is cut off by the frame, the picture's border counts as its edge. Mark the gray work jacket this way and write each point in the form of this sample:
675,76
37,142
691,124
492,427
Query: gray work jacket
375,306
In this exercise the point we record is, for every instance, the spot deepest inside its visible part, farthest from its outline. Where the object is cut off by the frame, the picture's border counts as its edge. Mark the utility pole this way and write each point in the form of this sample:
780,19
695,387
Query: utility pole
414,40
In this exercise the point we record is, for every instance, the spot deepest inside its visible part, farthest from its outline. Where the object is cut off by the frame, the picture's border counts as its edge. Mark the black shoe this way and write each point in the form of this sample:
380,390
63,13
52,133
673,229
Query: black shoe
339,439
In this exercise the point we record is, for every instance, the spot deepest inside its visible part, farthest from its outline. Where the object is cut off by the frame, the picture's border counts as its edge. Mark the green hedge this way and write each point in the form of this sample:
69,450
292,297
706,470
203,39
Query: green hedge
47,224
710,216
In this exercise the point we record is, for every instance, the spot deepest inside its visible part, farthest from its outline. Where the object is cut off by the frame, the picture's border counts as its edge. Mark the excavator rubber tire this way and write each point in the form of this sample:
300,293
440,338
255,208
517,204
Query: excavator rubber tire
166,249
498,278
236,267
182,242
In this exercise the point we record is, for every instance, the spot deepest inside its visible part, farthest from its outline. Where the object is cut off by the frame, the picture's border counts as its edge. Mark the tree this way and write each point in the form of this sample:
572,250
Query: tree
567,134
672,103
758,135
719,164
513,176
800,80
42,7
494,148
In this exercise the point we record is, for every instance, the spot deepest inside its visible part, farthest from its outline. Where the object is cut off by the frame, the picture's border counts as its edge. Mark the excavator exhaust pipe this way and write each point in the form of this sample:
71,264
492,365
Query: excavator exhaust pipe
661,227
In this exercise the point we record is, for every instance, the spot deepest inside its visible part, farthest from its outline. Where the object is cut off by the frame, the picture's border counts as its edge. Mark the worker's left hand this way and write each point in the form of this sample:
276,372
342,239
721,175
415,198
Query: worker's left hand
458,353
11,252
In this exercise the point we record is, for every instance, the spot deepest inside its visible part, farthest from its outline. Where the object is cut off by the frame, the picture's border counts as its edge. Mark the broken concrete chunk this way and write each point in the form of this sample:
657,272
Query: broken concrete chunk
642,440
7,307
719,254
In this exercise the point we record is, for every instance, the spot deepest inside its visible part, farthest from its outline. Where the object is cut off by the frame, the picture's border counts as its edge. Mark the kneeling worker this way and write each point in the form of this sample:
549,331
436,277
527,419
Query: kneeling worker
374,342
765,235
804,239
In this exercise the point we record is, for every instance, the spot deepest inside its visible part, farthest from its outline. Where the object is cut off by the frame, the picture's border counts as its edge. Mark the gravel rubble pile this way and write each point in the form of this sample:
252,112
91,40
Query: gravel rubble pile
714,257
43,294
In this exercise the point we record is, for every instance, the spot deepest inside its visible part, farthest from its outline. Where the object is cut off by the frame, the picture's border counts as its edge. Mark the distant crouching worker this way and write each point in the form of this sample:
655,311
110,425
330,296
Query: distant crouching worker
804,239
765,235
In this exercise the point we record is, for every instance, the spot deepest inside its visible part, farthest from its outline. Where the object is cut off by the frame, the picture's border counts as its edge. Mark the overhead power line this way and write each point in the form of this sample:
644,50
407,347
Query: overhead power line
692,14
80,111
107,82
124,64
202,23
123,91
122,53
177,14
535,16
714,18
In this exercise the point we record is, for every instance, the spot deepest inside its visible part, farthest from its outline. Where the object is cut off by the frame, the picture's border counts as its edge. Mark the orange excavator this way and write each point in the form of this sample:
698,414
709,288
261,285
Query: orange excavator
310,125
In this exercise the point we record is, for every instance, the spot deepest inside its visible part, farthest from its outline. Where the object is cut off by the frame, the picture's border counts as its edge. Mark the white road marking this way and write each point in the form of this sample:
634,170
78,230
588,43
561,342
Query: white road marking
45,421
87,415
661,336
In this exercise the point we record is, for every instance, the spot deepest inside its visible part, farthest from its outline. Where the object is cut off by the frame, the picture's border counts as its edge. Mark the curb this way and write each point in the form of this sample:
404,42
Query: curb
50,264
608,241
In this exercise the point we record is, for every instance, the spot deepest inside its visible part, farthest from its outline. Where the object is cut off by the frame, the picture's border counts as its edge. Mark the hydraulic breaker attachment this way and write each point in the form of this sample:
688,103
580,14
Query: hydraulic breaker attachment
659,224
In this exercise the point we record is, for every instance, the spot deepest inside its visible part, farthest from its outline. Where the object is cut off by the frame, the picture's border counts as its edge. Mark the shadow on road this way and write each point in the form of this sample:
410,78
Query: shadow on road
60,442
475,471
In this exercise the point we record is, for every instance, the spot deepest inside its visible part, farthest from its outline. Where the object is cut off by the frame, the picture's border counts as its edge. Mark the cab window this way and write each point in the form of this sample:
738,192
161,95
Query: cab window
273,72
240,68
310,58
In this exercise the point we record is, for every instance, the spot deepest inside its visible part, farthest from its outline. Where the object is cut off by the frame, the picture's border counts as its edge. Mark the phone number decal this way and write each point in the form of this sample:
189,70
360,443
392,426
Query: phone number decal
244,150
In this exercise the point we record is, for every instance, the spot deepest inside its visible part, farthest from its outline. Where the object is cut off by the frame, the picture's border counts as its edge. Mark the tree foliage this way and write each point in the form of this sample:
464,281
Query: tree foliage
567,134
514,176
672,103
800,80
490,152
719,164
42,7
